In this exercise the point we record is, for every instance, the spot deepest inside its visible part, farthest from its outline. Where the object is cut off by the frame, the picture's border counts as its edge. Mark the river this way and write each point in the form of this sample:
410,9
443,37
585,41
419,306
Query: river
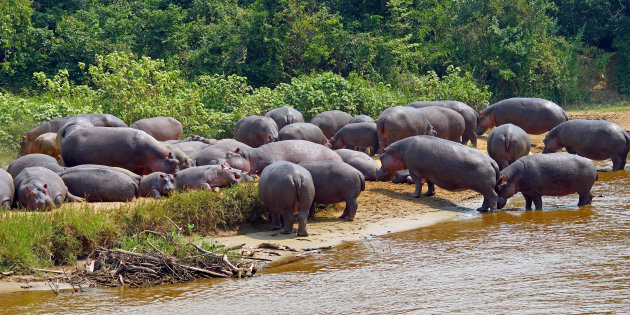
563,259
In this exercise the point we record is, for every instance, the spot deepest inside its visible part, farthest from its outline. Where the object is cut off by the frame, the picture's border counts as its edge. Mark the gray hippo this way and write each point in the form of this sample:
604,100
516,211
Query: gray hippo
303,131
358,135
31,160
593,139
100,184
185,161
469,114
161,128
40,188
191,148
447,123
128,148
285,115
157,184
402,177
335,182
7,190
361,119
287,190
70,126
46,144
400,122
555,174
214,154
447,164
361,161
210,177
331,121
535,115
101,120
135,177
253,161
256,130
507,143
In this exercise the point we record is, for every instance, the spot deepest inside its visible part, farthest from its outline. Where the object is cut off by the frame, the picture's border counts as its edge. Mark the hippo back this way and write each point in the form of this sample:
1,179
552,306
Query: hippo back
32,160
331,121
534,115
302,131
100,184
161,128
285,115
256,130
7,190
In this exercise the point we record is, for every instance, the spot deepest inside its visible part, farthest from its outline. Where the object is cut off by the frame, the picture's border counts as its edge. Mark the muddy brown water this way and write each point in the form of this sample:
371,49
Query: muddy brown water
563,259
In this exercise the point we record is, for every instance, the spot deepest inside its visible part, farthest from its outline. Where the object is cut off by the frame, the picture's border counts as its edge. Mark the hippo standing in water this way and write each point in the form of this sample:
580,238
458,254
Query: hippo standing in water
447,164
335,182
469,114
287,190
31,160
447,123
331,121
285,115
161,128
555,174
399,122
361,119
359,135
128,148
593,139
215,153
535,115
210,177
40,188
157,184
361,161
256,130
100,184
507,143
7,190
303,131
253,161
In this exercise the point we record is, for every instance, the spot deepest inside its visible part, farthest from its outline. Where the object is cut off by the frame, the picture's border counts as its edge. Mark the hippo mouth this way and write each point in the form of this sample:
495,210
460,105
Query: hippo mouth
384,176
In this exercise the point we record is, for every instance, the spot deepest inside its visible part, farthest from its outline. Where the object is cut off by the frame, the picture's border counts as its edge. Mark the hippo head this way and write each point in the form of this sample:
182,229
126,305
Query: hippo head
222,176
37,197
26,146
238,161
166,183
505,188
167,164
391,161
485,121
336,143
552,144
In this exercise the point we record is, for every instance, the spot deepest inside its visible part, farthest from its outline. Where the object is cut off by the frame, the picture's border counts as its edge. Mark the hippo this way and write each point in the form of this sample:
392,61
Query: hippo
593,139
507,143
128,148
100,184
361,119
253,161
40,188
447,164
191,148
157,184
358,135
402,177
135,177
554,174
361,161
335,182
36,159
331,121
210,177
256,130
214,153
161,128
101,120
70,126
447,123
46,144
303,131
287,190
469,114
535,115
185,161
7,190
399,122
284,115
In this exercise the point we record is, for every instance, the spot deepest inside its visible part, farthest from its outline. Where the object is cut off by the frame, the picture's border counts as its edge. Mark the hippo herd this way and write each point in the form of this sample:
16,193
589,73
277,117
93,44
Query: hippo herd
96,157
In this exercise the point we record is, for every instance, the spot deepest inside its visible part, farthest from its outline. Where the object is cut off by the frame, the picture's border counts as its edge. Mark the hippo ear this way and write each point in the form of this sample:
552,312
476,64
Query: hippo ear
161,175
229,154
238,150
222,166
24,137
174,175
45,186
27,189
170,155
503,179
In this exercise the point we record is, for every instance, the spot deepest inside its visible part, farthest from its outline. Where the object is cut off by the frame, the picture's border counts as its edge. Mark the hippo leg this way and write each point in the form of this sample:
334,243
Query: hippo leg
73,198
431,189
619,163
528,202
287,218
58,200
418,180
156,193
311,211
537,199
585,198
351,210
276,223
489,204
374,148
301,217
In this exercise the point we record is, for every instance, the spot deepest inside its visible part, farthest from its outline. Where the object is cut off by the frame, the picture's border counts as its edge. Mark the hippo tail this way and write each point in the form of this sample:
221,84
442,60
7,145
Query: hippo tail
627,135
496,170
362,178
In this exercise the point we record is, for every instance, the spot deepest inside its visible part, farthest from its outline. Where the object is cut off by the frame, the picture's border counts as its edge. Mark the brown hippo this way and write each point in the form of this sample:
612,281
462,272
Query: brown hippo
287,190
555,174
31,160
469,114
161,128
7,190
303,131
331,121
128,148
157,184
335,182
100,184
447,164
507,143
399,122
285,115
185,161
40,188
447,123
593,139
47,144
535,115
253,161
361,161
256,130
214,154
357,135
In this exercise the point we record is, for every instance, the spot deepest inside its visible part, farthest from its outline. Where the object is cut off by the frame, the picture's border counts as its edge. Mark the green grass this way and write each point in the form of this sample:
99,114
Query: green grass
619,106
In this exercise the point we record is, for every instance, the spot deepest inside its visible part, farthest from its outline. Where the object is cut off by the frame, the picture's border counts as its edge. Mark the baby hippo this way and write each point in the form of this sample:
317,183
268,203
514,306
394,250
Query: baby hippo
507,143
287,190
157,184
6,189
336,182
40,188
556,174
209,177
359,135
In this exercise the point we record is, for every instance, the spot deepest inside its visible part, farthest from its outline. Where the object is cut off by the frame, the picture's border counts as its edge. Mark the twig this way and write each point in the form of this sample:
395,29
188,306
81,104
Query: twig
203,250
49,271
67,278
256,258
156,249
177,226
208,272
54,291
